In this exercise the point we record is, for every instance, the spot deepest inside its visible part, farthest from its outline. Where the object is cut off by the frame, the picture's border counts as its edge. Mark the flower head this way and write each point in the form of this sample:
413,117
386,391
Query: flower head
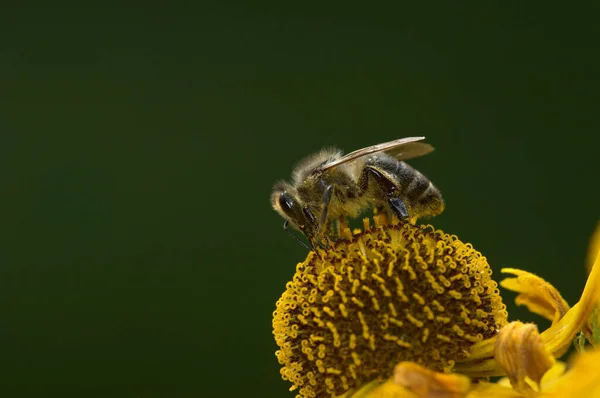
399,310
392,293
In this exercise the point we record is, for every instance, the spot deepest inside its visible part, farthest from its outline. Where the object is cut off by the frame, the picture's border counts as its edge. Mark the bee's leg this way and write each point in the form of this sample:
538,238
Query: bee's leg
388,188
285,228
326,199
323,224
315,238
398,207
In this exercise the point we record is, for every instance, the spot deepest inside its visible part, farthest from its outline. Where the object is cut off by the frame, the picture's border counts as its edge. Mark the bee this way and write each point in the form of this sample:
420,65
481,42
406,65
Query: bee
331,186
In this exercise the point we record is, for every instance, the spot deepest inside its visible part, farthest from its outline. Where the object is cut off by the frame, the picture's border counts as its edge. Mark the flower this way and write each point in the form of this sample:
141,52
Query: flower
399,310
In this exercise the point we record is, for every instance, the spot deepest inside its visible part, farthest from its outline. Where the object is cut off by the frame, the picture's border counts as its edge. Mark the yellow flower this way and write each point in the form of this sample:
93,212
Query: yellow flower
399,310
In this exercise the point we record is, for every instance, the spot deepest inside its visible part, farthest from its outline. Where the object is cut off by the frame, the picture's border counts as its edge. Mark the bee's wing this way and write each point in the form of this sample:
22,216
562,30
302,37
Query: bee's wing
401,149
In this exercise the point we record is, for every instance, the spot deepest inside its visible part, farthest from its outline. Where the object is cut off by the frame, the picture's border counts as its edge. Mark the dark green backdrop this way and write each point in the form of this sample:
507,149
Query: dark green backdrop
138,146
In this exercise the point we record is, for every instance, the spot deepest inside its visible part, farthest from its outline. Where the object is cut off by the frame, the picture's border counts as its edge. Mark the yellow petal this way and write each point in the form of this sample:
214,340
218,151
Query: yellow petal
389,389
503,389
539,296
558,337
504,381
592,328
520,351
429,384
482,368
593,249
492,390
367,391
582,380
552,376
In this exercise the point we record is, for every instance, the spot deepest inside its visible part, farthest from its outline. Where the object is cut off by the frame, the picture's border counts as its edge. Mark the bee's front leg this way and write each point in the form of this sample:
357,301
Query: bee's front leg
323,223
286,229
326,199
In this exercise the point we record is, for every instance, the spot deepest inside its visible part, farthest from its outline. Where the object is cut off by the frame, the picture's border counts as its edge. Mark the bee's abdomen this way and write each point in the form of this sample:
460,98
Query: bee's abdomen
416,190
414,185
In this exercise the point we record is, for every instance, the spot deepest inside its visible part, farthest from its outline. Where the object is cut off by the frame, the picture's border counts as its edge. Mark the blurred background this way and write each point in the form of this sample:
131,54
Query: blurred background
139,255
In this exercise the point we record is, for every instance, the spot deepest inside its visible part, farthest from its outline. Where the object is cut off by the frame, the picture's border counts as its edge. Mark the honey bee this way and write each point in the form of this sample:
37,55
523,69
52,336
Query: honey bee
331,186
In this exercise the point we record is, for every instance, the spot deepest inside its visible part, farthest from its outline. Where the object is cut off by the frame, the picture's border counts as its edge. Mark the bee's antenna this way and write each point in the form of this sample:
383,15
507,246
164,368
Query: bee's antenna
285,228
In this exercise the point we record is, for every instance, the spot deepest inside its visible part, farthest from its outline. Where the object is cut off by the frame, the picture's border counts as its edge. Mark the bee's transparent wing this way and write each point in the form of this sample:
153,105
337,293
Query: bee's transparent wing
401,149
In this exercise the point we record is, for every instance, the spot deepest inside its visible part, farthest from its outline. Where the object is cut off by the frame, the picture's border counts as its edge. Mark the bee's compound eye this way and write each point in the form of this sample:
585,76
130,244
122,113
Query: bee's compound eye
286,202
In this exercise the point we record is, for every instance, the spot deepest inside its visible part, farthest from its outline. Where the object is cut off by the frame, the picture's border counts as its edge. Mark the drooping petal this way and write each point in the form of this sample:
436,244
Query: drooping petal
520,351
539,296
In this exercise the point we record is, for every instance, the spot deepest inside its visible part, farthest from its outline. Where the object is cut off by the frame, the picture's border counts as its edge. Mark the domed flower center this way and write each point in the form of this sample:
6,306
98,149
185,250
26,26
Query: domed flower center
388,294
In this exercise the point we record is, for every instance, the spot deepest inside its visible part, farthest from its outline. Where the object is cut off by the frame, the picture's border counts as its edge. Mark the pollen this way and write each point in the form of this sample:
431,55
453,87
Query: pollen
391,293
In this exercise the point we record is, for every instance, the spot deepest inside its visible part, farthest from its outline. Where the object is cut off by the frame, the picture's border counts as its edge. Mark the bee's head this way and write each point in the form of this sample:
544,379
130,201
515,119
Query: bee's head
286,202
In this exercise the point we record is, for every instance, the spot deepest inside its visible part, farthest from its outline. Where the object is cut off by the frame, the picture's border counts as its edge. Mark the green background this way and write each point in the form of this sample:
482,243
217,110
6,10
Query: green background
138,145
